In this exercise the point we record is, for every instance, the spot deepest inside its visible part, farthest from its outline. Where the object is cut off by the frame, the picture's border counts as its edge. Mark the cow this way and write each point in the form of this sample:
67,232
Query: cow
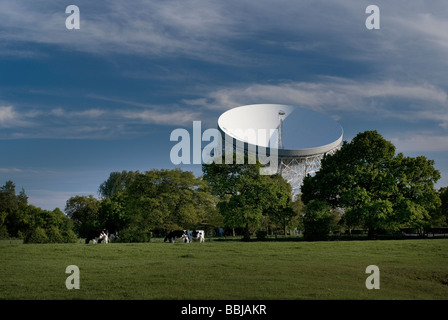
104,238
171,236
98,236
198,234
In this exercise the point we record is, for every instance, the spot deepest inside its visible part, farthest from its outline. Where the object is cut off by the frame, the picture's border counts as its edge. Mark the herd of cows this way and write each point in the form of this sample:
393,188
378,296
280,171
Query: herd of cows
103,236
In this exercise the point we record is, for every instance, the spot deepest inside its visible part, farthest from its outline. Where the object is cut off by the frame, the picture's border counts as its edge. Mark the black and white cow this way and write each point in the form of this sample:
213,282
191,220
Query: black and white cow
171,236
198,234
98,236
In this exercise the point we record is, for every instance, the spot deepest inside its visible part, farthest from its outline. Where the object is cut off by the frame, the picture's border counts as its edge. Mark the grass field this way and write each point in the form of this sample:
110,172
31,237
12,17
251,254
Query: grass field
409,269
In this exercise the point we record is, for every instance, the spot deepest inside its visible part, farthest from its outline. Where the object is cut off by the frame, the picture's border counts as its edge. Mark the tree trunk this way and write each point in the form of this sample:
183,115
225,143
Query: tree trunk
371,234
284,227
246,233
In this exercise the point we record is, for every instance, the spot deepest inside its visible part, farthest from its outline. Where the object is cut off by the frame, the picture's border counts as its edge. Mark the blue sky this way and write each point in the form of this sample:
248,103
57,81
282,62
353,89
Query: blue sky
76,105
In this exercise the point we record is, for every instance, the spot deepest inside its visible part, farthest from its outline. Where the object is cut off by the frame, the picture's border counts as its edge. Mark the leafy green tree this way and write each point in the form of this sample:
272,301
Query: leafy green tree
318,220
439,217
376,189
83,211
279,208
417,199
12,217
112,212
163,200
246,197
20,219
8,199
443,192
116,183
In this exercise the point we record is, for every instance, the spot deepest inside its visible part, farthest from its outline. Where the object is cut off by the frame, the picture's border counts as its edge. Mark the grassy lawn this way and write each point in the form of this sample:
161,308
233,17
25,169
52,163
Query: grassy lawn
409,269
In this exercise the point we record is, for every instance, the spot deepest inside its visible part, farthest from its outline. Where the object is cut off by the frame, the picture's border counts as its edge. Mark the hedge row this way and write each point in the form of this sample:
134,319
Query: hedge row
50,235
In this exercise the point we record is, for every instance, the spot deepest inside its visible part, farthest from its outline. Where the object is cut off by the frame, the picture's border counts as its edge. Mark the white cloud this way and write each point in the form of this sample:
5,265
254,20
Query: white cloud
136,27
7,115
181,117
91,113
420,142
429,27
329,94
10,118
10,170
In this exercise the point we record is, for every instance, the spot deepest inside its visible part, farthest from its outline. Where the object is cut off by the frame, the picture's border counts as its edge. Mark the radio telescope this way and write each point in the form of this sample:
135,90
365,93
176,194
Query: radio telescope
300,136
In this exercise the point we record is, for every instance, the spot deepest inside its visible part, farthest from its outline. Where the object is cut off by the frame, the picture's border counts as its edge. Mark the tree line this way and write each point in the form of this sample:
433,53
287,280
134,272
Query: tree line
18,219
364,185
152,203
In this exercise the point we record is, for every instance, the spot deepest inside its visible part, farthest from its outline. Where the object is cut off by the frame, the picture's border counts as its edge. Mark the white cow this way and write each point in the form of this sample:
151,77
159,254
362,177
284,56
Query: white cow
104,237
198,234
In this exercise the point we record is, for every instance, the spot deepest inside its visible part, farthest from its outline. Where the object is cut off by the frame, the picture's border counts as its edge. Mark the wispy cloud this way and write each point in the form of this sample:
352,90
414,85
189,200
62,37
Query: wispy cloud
430,28
10,170
176,118
86,114
92,123
135,27
9,117
330,93
411,141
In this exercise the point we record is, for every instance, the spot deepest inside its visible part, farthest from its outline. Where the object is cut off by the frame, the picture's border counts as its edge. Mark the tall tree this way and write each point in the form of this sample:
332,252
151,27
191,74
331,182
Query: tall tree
245,195
318,219
375,188
12,209
116,183
83,211
443,192
167,199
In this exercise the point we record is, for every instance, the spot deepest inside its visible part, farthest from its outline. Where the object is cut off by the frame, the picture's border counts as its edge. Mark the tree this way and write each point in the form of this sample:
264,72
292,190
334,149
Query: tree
112,212
318,219
279,207
156,201
376,189
245,196
83,211
444,203
13,210
116,183
439,217
417,199
23,220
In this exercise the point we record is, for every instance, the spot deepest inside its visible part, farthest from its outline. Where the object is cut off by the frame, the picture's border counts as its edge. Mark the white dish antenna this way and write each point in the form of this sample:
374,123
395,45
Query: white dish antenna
301,136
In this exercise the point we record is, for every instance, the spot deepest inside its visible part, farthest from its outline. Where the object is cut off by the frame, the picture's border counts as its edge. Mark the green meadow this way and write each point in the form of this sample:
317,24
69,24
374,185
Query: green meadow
409,269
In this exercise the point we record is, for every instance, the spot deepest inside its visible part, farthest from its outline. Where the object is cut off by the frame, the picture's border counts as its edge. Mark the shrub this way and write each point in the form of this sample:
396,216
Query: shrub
4,232
68,236
37,235
54,235
134,235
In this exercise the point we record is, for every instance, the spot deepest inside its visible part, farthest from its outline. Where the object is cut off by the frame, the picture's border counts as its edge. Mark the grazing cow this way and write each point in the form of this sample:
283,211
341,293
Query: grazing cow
98,236
198,234
104,238
175,234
